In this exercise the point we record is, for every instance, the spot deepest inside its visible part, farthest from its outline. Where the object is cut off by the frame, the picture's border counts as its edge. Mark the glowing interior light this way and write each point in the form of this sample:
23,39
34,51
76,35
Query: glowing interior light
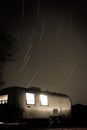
3,102
44,100
30,98
3,99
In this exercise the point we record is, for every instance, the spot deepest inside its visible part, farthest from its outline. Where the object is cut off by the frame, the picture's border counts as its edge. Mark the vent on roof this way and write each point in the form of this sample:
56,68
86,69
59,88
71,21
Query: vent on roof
36,89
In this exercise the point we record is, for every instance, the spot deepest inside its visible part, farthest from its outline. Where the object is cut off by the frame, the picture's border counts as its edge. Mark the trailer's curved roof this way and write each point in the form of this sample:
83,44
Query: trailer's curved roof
11,88
32,89
36,89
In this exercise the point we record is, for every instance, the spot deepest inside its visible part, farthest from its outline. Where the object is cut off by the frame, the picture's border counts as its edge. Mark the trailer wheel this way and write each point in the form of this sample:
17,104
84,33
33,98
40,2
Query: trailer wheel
51,121
58,120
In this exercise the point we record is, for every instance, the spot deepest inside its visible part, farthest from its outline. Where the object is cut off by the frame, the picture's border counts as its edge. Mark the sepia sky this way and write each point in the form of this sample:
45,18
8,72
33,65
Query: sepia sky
52,45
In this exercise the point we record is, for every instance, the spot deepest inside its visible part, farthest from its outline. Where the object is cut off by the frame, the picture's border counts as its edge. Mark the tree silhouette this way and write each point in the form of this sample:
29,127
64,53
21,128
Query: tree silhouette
8,51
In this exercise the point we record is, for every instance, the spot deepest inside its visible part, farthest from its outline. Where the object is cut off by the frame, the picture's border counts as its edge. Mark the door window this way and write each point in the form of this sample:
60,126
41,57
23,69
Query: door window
30,98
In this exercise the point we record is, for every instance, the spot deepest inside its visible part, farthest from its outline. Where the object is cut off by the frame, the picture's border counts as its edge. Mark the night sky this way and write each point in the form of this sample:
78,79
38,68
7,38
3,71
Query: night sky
52,45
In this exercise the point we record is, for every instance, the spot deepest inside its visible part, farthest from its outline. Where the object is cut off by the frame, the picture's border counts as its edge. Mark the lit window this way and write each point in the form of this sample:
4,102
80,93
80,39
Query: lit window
30,98
44,100
3,99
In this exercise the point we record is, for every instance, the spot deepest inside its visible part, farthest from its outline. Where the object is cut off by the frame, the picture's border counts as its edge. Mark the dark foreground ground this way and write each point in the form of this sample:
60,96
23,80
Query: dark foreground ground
65,123
39,128
77,120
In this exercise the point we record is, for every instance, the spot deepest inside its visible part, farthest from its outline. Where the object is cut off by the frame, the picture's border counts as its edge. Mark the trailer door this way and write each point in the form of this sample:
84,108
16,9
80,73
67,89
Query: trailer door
43,106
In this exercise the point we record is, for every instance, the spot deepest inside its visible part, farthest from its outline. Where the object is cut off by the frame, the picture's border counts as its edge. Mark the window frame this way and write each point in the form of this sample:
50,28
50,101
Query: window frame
41,100
4,99
29,102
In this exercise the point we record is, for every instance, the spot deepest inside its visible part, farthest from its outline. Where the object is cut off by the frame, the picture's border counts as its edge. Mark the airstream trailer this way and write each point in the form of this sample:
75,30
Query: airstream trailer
18,104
